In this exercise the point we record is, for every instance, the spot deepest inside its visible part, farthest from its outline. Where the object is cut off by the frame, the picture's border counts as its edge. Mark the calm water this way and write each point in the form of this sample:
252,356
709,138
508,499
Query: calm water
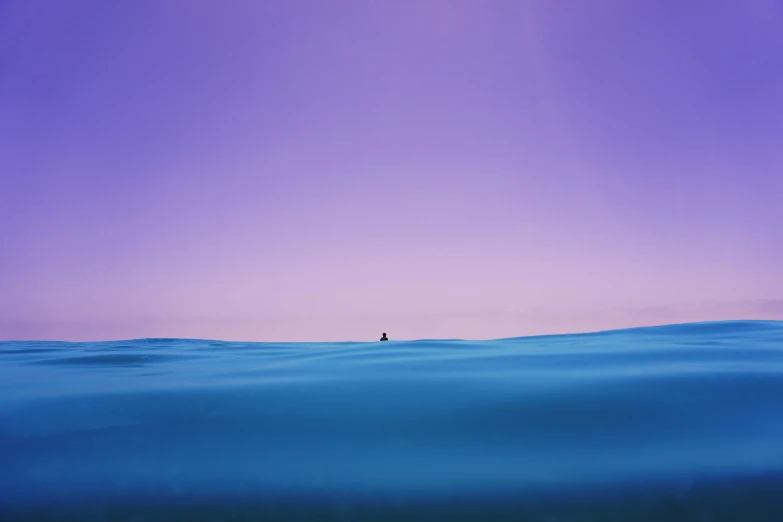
681,422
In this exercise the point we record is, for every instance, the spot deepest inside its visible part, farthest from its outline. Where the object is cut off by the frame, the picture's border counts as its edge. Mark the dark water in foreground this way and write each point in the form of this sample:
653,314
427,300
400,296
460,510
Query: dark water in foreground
681,422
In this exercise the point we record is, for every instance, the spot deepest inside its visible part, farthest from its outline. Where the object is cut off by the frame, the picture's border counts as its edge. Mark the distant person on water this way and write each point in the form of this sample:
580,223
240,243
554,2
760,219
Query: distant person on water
384,338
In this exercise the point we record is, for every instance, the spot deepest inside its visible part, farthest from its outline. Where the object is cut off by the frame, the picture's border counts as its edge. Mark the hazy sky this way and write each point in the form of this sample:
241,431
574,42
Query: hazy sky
329,170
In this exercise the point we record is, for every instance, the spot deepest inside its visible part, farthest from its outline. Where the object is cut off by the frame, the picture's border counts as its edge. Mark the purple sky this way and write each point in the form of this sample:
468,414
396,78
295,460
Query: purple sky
313,171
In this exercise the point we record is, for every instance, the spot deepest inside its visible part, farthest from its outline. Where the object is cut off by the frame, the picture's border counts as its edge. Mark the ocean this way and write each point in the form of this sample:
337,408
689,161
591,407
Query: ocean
679,422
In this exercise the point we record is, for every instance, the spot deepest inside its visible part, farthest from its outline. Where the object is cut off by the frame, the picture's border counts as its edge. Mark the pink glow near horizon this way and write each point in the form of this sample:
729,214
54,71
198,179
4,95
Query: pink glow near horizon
310,171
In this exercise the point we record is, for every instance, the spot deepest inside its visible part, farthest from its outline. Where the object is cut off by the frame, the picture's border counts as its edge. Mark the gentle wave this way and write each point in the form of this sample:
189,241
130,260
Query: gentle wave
620,425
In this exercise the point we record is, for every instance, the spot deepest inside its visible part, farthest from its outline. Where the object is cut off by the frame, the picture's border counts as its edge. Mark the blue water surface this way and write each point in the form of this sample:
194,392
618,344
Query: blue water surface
680,422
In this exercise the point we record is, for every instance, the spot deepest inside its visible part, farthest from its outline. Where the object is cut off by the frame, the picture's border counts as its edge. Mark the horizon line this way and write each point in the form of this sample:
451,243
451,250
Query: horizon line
580,333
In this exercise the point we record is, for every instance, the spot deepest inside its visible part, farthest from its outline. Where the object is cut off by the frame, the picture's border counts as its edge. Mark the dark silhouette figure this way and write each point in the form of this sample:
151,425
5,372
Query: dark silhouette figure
384,338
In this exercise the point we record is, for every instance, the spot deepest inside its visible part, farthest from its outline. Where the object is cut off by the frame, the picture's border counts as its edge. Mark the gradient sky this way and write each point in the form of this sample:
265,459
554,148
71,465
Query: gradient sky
328,170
